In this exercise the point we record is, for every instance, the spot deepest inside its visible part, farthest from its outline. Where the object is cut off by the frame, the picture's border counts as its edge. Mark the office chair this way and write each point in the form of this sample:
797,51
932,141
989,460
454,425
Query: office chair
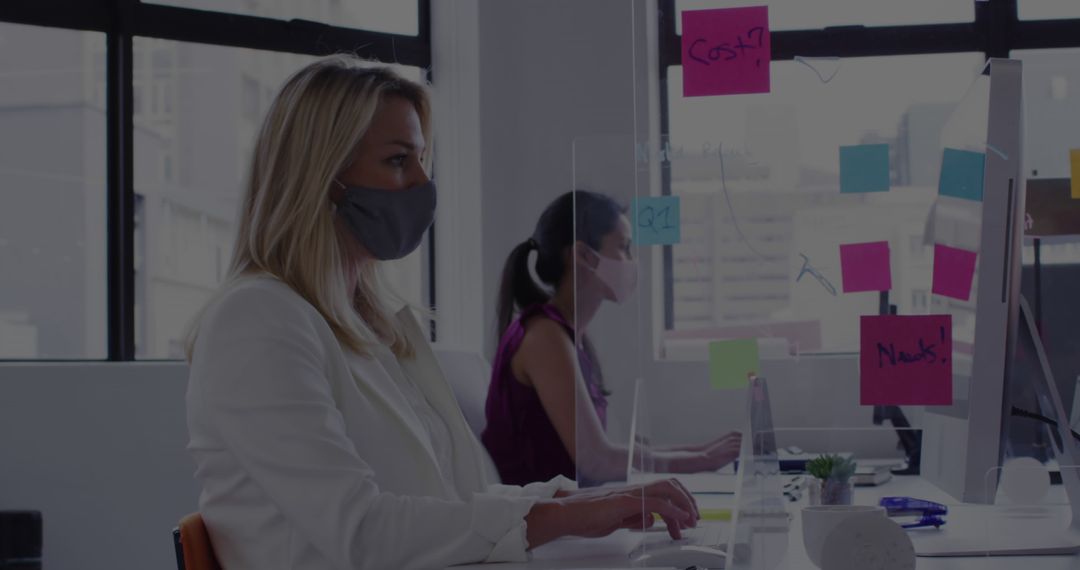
192,545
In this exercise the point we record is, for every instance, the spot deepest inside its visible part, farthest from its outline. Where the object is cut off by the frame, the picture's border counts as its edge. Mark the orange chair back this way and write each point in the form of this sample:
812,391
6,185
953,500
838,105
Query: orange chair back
195,544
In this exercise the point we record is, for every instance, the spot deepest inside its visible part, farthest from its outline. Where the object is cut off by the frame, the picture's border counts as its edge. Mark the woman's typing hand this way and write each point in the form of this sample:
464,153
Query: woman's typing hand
599,512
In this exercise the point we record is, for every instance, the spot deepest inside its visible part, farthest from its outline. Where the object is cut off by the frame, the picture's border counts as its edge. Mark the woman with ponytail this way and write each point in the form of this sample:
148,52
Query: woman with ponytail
545,363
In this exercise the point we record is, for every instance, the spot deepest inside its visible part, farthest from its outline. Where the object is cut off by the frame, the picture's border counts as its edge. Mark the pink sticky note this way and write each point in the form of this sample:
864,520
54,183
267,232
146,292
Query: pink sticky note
954,270
905,360
726,51
865,266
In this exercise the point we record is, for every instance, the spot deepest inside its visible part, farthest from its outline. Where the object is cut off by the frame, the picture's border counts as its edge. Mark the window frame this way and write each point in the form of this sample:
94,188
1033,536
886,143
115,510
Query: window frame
996,30
123,20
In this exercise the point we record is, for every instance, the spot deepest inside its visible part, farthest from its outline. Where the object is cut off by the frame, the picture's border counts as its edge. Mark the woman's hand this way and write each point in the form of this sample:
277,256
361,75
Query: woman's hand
595,513
608,490
722,451
693,447
710,456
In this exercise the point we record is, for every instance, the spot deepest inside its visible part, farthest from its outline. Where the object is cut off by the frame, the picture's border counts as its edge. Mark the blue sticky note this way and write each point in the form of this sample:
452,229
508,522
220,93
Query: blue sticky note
962,174
864,168
655,220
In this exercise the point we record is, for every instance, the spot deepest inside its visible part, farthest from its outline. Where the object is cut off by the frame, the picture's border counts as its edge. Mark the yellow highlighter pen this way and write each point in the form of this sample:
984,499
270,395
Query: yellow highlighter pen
707,515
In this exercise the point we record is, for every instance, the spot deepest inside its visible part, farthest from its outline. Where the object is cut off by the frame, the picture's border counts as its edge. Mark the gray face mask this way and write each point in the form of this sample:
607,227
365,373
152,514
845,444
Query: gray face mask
389,223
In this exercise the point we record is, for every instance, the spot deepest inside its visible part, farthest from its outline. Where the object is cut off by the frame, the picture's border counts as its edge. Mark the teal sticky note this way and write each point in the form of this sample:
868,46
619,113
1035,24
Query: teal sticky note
962,174
864,168
656,220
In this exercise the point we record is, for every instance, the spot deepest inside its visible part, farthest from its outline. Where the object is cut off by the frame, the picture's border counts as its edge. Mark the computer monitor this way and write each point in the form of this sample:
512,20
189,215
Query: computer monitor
965,442
962,442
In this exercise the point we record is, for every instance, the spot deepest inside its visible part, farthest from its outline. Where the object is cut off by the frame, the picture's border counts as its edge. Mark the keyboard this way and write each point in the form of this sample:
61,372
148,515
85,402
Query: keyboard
714,535
711,534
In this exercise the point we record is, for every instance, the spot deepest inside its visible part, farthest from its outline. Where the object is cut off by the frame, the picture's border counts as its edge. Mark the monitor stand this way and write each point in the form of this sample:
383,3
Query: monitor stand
966,535
910,440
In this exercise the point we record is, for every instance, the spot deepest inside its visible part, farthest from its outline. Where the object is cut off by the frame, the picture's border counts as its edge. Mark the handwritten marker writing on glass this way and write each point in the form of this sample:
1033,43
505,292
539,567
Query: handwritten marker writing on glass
807,268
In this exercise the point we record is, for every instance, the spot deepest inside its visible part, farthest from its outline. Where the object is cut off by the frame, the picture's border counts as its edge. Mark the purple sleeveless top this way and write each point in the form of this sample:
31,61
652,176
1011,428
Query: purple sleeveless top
519,436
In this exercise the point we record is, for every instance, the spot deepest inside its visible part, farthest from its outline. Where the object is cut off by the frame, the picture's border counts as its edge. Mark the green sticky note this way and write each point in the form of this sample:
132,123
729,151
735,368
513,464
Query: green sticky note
731,361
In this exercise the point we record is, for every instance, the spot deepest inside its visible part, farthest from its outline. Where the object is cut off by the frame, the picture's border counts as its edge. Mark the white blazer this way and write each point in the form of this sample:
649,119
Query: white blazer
310,456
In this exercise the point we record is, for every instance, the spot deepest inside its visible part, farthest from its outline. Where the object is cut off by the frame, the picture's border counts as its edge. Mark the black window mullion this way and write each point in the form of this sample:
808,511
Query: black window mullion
69,14
667,259
424,25
1046,34
120,200
861,41
996,21
269,34
122,21
857,41
666,15
226,29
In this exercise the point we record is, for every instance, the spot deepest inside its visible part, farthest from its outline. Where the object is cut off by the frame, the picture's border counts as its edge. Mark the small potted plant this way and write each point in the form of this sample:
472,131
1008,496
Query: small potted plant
832,483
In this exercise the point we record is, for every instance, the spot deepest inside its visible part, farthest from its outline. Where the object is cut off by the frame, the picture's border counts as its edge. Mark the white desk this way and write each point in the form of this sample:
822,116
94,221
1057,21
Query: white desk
796,554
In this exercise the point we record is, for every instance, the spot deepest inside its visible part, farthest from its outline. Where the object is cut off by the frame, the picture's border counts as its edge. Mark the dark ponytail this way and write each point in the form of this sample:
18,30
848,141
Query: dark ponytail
517,288
580,215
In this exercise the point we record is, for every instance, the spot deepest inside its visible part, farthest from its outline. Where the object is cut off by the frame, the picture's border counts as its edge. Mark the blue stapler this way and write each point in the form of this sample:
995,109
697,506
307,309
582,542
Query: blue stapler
929,513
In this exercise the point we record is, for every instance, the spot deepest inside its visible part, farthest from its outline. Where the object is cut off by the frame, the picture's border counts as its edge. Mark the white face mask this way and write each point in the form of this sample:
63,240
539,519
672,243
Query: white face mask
620,276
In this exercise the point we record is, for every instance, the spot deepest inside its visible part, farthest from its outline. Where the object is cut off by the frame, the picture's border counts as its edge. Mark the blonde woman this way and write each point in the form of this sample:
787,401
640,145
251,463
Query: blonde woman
324,433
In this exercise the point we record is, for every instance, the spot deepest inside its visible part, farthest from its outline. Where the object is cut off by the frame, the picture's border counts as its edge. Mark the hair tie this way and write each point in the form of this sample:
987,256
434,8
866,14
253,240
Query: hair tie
532,244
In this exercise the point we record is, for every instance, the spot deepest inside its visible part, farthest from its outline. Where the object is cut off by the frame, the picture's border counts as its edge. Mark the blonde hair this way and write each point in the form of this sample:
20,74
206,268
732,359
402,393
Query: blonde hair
286,226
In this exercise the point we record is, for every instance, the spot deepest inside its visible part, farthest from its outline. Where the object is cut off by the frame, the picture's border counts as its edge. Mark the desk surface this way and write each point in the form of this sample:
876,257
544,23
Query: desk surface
571,553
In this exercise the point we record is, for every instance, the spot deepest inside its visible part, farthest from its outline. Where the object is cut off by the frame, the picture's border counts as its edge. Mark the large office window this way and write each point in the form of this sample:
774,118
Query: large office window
1052,109
121,171
759,174
788,203
191,163
52,193
1051,128
197,109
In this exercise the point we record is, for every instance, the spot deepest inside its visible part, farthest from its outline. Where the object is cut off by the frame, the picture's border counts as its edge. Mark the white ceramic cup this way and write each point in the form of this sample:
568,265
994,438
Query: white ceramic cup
819,521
